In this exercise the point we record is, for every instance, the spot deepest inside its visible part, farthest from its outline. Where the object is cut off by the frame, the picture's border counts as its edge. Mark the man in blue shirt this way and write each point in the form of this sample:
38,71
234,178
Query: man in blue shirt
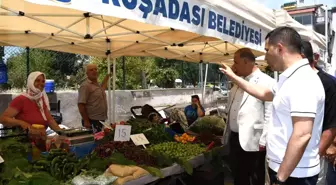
194,111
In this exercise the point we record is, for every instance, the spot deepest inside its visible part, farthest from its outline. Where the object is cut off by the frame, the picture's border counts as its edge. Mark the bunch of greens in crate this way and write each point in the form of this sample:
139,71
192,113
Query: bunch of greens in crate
213,124
157,134
139,125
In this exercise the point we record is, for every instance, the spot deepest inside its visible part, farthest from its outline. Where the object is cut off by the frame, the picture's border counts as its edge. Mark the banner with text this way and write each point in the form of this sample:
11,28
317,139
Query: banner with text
195,16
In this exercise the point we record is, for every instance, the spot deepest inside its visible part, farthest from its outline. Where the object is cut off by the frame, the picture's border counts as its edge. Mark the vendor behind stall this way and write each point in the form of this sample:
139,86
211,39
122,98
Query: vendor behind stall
195,110
31,107
92,102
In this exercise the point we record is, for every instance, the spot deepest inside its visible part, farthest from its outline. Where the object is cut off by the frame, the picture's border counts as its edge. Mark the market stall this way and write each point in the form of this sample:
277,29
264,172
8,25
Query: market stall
117,162
197,31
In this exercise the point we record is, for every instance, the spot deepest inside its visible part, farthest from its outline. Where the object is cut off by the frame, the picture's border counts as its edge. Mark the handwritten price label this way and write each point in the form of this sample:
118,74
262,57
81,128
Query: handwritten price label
139,139
122,133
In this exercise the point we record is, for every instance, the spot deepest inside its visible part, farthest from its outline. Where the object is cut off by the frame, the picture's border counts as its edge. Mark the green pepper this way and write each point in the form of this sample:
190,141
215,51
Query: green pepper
43,163
55,150
57,159
36,167
68,168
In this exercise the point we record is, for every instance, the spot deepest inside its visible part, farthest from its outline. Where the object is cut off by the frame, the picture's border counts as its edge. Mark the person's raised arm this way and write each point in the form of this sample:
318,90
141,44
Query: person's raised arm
258,91
105,81
200,110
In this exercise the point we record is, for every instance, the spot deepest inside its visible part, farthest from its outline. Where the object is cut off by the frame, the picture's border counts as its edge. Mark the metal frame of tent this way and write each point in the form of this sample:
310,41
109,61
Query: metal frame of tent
82,32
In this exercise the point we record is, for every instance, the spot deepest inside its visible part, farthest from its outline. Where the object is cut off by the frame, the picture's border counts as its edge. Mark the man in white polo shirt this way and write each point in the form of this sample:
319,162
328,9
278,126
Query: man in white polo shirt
298,110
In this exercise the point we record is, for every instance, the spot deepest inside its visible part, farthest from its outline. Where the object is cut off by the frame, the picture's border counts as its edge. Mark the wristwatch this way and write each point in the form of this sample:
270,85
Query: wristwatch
278,182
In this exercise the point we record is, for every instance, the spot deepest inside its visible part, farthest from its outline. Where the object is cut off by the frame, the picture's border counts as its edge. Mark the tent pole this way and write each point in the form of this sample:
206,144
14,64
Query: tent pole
201,77
114,88
276,75
205,81
28,61
124,72
108,53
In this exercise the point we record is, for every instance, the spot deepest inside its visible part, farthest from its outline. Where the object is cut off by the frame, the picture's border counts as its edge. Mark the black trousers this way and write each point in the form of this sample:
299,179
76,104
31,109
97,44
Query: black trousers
294,181
248,168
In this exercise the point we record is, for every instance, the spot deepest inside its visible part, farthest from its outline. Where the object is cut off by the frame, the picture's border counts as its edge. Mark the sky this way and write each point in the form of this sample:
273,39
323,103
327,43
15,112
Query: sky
276,4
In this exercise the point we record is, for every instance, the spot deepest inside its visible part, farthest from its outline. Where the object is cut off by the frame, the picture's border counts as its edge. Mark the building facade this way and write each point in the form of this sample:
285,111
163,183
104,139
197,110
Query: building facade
315,17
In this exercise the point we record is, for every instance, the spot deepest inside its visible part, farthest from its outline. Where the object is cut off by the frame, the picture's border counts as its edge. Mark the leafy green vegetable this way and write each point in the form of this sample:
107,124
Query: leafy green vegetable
139,125
157,134
213,124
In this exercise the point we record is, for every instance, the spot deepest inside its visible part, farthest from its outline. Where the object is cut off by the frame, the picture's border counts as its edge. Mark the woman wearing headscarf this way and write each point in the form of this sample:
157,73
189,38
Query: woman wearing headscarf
31,107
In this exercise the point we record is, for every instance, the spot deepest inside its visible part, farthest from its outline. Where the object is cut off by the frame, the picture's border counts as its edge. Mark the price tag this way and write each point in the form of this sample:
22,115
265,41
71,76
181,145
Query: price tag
122,132
139,139
1,160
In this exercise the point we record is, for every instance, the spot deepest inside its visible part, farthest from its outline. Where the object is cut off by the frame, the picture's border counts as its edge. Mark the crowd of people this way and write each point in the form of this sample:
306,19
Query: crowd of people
292,119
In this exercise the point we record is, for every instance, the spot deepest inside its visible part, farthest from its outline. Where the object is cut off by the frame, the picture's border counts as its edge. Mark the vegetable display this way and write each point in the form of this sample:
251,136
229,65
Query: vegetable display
129,150
61,165
185,138
157,134
170,152
213,124
16,169
207,137
175,150
139,125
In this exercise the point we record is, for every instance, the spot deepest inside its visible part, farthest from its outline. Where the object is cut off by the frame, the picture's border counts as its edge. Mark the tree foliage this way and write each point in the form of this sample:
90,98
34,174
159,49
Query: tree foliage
56,65
68,69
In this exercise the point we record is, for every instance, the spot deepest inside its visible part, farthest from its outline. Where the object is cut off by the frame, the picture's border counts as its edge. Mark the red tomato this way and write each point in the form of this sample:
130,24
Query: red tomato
106,130
122,122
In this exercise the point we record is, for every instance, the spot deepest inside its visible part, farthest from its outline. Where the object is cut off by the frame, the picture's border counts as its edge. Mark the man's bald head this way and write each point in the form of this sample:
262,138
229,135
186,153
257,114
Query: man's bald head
244,60
246,53
90,66
91,72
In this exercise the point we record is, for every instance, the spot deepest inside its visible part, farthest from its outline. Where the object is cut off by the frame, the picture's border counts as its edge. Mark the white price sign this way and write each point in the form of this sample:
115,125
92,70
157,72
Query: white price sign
139,139
1,160
122,133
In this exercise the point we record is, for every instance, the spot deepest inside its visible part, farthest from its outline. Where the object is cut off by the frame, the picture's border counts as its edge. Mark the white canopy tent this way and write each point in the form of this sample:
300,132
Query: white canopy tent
284,19
193,30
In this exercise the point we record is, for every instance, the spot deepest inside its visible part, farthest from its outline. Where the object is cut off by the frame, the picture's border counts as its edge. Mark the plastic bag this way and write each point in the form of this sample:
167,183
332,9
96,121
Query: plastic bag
100,180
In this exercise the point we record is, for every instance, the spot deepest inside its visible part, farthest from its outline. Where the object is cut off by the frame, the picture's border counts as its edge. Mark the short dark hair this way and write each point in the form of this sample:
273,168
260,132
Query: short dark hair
288,37
195,96
246,53
268,34
308,51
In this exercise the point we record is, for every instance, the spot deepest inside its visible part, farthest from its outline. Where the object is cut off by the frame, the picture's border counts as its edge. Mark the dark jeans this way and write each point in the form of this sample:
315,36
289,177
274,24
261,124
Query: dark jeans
95,124
331,174
248,168
294,181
